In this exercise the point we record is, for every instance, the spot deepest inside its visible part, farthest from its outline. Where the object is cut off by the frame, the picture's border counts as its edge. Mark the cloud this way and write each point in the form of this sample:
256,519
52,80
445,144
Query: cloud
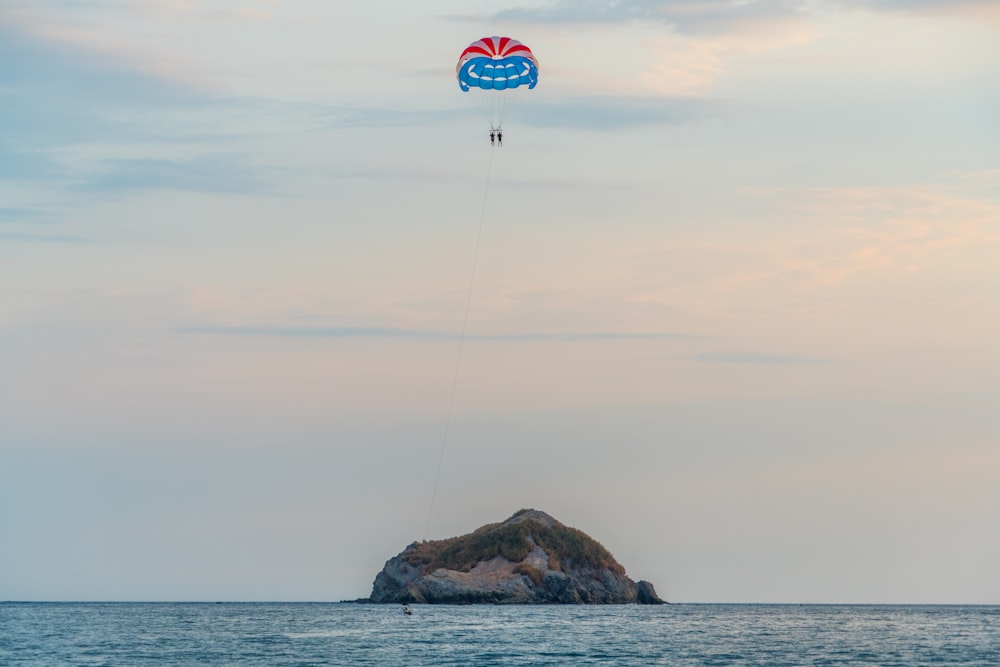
424,334
52,94
224,12
96,31
831,246
32,225
49,97
754,358
677,48
18,163
206,173
615,113
684,15
47,74
714,16
375,117
658,49
947,6
42,238
884,229
66,110
8,215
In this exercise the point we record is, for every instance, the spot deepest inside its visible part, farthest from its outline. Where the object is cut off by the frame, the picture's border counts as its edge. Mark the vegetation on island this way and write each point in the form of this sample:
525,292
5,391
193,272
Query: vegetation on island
568,548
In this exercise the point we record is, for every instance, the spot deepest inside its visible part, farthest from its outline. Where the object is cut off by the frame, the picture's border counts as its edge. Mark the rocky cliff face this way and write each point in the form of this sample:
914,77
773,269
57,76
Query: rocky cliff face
528,559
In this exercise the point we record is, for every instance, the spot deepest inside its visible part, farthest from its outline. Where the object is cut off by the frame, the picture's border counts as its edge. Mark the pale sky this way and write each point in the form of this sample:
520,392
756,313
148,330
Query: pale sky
735,314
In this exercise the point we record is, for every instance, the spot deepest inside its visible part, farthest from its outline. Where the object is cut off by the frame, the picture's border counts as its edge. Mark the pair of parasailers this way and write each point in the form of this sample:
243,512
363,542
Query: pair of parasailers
496,136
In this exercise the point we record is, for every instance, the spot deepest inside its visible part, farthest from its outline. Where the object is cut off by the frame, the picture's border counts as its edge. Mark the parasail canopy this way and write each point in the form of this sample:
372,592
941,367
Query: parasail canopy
494,70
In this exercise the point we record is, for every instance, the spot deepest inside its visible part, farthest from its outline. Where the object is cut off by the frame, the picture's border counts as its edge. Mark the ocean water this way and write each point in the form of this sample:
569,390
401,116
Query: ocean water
247,634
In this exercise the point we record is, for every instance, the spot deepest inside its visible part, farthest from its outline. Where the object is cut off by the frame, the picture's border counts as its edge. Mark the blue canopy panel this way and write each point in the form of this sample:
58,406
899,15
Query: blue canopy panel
491,74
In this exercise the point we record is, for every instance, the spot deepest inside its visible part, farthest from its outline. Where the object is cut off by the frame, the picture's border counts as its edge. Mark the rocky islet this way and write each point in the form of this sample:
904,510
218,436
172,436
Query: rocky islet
528,559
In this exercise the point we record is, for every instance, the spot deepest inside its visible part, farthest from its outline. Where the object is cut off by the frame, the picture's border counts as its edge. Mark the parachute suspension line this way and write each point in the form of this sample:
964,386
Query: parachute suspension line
461,347
496,105
509,100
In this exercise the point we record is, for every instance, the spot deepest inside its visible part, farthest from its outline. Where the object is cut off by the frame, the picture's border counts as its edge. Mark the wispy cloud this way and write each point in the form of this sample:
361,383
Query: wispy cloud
948,6
706,15
352,116
709,16
754,358
42,238
207,173
614,113
56,97
48,78
426,334
885,228
683,48
34,225
834,243
85,28
8,215
673,49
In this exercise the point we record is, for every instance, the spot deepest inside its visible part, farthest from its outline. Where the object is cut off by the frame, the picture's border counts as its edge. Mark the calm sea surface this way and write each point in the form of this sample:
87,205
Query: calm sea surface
348,634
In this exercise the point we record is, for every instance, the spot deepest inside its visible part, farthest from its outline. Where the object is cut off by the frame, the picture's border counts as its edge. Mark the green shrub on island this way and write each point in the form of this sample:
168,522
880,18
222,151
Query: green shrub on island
567,548
529,571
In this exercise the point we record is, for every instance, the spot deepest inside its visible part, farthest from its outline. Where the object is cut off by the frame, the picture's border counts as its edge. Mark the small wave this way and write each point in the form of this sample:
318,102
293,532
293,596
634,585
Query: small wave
323,634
